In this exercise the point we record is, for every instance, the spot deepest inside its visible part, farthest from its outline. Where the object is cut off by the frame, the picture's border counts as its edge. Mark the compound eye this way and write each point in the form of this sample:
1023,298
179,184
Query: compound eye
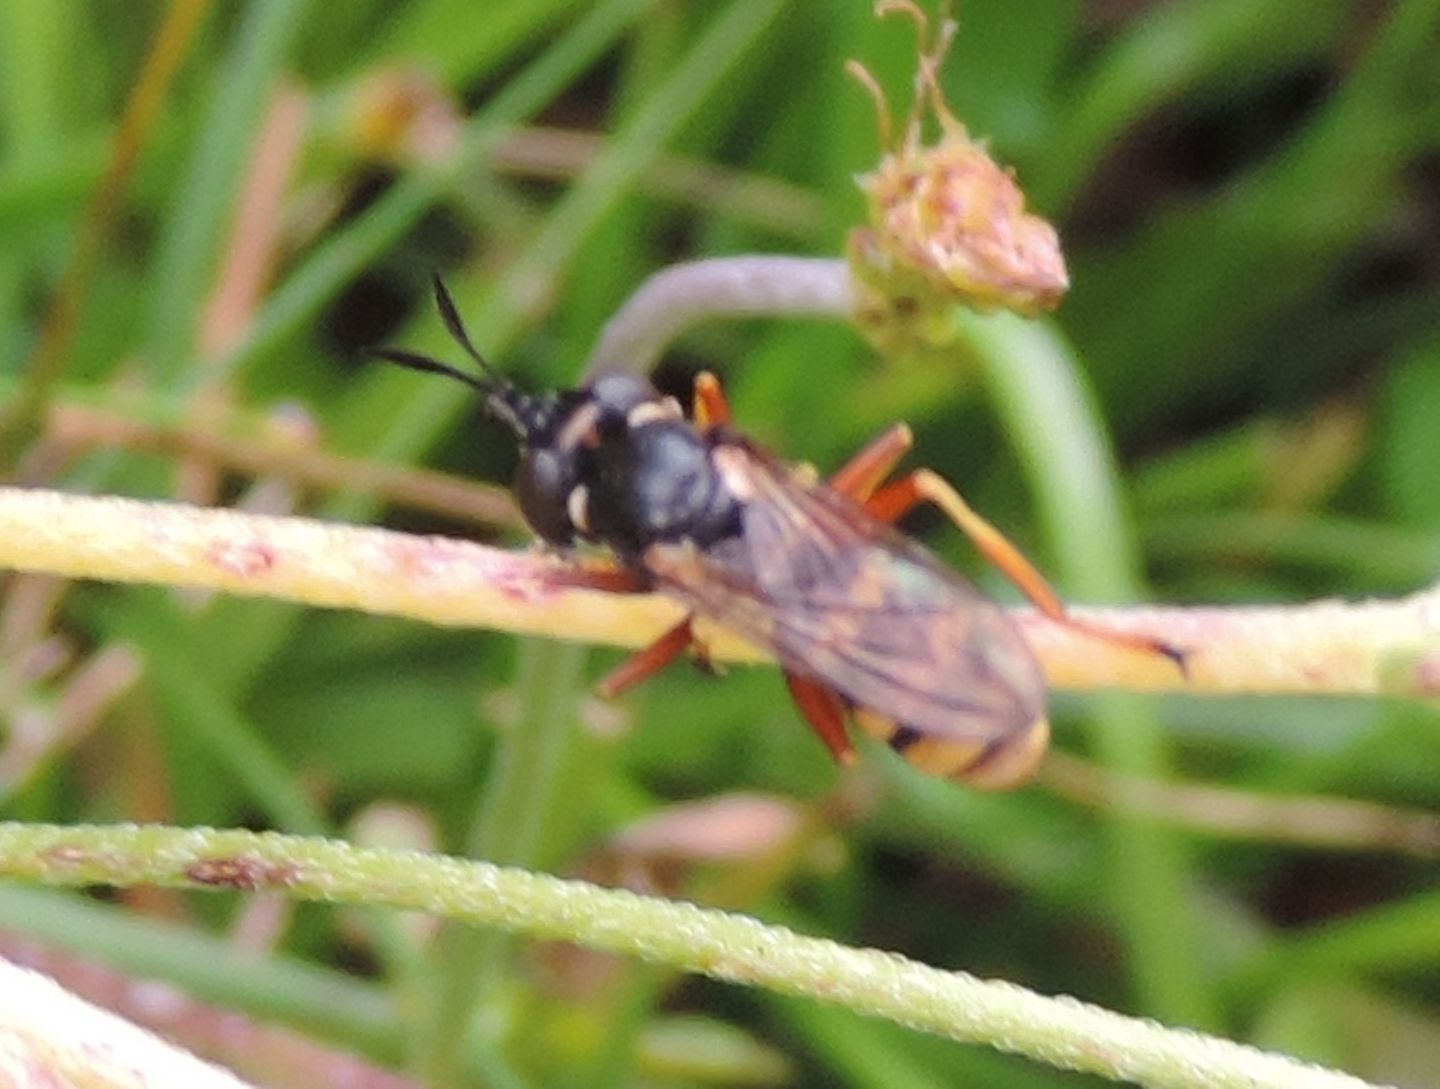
543,484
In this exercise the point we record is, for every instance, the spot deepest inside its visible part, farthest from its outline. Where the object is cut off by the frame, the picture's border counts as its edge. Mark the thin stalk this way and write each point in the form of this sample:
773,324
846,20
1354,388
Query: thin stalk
198,215
1363,648
1062,1032
522,793
1038,391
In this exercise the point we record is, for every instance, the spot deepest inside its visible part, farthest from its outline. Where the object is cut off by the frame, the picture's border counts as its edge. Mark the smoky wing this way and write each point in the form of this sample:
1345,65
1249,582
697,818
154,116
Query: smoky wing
841,598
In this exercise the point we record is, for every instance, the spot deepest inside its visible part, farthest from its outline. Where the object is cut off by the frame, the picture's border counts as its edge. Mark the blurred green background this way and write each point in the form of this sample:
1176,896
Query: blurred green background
1249,196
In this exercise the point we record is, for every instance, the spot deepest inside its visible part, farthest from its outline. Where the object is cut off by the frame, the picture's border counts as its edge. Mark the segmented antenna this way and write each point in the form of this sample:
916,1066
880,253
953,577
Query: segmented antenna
417,362
503,401
451,317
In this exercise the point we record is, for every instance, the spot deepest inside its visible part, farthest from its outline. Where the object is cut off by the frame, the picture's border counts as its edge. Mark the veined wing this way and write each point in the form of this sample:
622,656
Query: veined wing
841,598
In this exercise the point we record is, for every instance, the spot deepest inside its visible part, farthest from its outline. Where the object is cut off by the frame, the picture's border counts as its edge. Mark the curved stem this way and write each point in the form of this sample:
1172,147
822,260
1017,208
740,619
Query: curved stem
682,296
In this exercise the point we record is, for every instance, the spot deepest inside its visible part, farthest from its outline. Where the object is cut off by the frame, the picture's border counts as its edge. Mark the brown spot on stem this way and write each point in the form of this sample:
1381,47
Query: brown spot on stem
1427,675
67,856
246,559
240,872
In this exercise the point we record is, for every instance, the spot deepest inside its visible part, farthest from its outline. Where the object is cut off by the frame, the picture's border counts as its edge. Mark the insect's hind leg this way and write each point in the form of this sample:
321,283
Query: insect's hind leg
872,463
894,500
825,713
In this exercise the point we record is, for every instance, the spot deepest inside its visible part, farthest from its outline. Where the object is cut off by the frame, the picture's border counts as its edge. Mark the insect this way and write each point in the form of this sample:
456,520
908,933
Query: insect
863,620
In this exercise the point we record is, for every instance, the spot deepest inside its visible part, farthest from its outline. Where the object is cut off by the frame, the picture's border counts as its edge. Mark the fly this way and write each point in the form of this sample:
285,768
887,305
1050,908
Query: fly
865,623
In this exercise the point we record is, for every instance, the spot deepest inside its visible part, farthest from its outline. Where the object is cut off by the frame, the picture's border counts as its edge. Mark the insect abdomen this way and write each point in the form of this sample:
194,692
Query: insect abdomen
1000,764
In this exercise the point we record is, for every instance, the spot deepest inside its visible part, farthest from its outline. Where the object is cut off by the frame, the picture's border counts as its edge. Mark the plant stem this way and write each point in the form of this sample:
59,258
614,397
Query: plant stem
1385,647
1062,1032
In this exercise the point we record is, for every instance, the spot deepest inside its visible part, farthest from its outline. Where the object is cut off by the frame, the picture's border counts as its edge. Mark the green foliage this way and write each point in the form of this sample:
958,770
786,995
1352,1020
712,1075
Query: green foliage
1246,194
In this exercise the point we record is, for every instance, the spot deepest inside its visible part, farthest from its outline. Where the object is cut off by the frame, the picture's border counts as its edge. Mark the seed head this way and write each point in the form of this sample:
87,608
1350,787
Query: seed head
945,223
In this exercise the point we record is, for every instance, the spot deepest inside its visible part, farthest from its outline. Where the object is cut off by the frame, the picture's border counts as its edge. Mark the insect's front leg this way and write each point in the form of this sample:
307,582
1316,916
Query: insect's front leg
602,575
711,407
895,500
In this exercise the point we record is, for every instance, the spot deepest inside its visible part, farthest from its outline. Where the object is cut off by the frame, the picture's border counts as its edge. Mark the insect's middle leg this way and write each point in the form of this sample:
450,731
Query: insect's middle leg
648,661
896,499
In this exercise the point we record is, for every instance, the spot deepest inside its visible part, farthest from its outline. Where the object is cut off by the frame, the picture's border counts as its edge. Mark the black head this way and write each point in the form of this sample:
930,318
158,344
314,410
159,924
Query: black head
613,462
546,475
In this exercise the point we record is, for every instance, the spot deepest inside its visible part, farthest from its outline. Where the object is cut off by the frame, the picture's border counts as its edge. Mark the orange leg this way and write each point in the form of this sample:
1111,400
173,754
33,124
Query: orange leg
591,575
649,661
825,713
899,498
711,408
896,499
862,474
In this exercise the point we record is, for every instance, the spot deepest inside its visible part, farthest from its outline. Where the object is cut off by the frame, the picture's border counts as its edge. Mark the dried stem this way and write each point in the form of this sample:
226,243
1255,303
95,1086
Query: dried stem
75,426
50,1037
170,48
1329,647
255,237
563,154
1307,821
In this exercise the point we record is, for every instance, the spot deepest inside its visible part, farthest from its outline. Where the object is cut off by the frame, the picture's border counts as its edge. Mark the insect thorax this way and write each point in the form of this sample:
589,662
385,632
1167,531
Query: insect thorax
623,468
656,482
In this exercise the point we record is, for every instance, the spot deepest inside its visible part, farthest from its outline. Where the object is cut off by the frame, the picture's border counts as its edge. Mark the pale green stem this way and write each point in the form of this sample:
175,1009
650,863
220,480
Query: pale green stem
1062,1032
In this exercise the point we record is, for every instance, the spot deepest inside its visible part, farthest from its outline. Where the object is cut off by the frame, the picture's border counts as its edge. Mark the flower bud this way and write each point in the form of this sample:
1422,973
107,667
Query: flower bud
945,223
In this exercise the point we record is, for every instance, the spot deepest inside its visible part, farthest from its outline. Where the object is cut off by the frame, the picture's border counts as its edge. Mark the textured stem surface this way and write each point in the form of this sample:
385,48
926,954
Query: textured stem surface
1327,647
1062,1032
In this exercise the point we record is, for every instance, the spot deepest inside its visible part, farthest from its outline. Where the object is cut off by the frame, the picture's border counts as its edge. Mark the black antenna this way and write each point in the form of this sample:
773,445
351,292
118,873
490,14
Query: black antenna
417,362
502,399
451,317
